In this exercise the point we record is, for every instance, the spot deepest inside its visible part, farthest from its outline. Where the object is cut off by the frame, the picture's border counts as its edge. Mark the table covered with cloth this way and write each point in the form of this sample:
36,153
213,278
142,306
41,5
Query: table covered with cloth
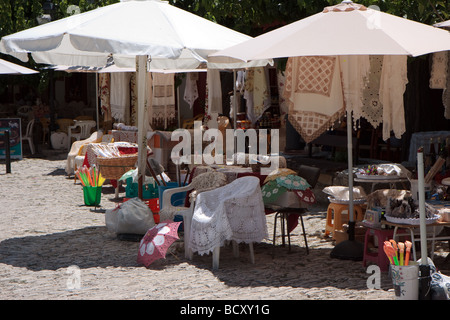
232,173
232,212
90,158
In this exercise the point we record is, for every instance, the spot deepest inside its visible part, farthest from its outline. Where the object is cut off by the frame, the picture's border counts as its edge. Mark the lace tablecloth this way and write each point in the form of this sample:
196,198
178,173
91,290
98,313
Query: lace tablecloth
232,212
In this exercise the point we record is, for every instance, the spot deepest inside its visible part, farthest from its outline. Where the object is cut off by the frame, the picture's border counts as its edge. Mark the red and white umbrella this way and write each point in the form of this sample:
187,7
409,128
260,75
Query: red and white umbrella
156,242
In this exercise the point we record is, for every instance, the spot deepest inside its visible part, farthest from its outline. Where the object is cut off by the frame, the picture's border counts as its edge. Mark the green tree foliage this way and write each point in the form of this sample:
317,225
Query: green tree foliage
254,17
17,15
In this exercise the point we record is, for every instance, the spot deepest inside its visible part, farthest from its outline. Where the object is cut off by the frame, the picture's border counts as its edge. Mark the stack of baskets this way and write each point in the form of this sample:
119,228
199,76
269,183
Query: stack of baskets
115,167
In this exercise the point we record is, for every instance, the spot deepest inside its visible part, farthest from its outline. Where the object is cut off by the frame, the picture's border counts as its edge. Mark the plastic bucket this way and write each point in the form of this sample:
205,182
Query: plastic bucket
177,199
406,281
92,195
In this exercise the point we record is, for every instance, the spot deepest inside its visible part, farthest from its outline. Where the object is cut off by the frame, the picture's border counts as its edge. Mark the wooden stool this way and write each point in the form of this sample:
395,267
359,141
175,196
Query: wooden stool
334,216
378,256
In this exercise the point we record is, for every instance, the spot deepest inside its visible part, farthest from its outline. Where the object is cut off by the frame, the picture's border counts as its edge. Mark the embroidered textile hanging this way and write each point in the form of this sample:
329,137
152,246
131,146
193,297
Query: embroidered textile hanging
354,74
191,90
162,111
392,87
284,107
439,78
372,109
214,89
120,96
439,69
446,93
257,93
104,83
133,100
314,93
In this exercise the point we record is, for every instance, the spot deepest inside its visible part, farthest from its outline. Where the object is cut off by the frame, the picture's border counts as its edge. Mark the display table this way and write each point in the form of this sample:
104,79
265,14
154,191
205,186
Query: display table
391,180
412,229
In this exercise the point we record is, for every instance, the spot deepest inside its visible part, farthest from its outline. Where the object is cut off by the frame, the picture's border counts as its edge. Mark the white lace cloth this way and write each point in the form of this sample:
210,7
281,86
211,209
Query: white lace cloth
232,212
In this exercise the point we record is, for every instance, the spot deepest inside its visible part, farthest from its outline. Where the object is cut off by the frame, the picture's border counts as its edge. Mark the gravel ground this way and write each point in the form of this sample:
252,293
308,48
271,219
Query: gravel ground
48,238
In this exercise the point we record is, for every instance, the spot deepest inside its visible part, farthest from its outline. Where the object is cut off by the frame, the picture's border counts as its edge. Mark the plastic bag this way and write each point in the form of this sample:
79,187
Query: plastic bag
132,217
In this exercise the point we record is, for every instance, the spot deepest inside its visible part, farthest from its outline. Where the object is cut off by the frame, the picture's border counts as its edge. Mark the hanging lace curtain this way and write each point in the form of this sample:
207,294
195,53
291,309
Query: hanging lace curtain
162,111
314,94
104,83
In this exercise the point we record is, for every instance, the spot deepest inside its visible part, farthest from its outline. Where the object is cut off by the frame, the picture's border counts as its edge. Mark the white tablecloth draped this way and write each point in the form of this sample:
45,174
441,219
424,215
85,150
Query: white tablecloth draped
232,212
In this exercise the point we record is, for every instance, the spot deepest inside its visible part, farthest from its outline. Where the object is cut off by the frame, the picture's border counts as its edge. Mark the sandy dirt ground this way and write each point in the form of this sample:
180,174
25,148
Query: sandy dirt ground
48,238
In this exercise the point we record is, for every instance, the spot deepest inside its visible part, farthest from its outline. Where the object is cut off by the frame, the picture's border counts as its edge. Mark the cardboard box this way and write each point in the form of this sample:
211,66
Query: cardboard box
342,235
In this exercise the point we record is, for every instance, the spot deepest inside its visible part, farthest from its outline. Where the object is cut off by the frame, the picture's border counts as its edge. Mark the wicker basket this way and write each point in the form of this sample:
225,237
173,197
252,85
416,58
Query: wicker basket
115,167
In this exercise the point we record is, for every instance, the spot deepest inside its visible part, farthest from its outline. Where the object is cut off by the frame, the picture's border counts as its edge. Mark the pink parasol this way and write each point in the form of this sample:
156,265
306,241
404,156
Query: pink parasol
156,242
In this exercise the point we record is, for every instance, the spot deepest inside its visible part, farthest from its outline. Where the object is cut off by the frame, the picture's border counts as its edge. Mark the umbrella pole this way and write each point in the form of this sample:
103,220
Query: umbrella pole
235,102
349,249
141,76
424,268
96,102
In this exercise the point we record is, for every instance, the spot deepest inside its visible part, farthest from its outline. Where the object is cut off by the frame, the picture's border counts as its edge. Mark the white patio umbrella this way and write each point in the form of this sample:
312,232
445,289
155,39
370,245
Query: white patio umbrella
345,29
7,67
137,34
443,24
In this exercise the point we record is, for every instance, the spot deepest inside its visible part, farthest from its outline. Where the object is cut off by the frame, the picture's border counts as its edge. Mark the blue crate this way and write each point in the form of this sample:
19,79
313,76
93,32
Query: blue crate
148,190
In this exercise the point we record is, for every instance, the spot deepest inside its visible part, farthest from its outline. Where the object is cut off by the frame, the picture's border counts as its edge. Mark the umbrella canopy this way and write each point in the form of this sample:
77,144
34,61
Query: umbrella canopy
7,67
444,24
140,34
345,29
156,242
125,29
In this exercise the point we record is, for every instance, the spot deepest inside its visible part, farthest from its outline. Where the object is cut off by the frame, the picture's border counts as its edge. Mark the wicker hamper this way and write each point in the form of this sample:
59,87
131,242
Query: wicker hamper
115,167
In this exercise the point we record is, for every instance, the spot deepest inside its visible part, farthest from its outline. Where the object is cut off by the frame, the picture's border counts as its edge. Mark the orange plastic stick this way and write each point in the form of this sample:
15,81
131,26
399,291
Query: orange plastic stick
408,245
390,252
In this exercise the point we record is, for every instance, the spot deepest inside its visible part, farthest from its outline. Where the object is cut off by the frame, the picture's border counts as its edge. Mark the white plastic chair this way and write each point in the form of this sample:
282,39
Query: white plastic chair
29,135
85,130
203,182
234,212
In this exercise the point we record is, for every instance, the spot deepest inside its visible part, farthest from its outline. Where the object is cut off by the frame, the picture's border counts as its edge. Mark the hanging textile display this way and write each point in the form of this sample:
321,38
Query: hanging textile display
393,82
371,108
162,111
439,78
120,96
133,100
284,106
354,75
439,69
372,87
446,93
257,93
314,94
104,83
214,91
191,90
